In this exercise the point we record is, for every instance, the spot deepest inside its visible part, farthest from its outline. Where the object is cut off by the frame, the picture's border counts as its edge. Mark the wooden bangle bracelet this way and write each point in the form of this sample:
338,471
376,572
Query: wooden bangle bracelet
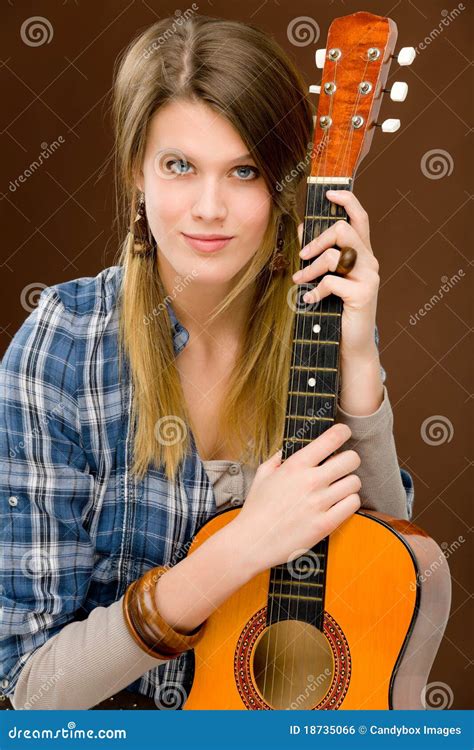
145,624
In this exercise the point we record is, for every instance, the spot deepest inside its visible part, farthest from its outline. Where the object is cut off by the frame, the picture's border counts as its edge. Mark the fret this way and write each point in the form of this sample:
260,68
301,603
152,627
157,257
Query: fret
313,368
329,180
318,312
315,341
297,583
311,393
296,596
314,377
296,416
325,218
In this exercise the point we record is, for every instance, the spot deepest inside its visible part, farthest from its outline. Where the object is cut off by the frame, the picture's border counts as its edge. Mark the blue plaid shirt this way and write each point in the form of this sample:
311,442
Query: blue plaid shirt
77,527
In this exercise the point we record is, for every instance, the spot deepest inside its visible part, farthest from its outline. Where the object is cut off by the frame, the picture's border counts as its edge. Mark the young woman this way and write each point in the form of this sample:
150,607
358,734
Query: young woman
138,403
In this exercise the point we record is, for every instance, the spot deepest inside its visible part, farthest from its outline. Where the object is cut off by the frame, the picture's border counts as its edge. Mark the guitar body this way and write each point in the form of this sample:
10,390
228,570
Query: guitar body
383,621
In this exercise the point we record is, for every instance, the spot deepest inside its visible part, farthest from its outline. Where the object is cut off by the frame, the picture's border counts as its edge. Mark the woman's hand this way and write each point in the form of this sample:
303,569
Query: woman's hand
292,506
359,289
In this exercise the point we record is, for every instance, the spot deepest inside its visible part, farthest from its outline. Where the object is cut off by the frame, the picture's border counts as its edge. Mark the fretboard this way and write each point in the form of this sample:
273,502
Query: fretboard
297,588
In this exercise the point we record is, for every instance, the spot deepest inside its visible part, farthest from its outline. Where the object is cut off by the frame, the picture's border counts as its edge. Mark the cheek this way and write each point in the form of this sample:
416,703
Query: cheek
254,210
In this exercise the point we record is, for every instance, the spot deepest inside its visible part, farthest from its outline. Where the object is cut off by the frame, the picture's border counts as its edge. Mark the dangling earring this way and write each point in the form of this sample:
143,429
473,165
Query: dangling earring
278,262
142,247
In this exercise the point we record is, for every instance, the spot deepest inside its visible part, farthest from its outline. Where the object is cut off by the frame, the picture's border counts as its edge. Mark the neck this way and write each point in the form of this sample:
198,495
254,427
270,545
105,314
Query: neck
195,302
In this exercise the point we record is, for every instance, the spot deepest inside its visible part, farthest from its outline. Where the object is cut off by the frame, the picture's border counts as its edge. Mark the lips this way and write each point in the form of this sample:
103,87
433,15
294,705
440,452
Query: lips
211,244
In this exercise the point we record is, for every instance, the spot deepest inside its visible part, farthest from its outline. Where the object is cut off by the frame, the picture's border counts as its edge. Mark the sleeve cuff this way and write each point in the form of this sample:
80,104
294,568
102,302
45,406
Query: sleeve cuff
369,424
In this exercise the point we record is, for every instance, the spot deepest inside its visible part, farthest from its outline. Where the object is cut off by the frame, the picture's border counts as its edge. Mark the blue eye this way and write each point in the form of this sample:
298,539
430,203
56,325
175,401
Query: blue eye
179,167
180,162
254,171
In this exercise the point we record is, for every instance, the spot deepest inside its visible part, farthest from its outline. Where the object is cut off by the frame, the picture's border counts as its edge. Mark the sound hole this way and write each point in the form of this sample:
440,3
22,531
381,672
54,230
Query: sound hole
293,665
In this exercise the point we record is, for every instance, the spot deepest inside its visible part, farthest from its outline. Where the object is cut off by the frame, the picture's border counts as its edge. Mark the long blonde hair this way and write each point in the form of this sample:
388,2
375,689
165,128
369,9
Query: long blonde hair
242,74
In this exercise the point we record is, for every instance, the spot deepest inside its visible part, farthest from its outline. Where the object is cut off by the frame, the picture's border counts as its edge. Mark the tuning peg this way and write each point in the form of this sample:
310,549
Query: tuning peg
399,91
313,89
390,126
406,56
320,57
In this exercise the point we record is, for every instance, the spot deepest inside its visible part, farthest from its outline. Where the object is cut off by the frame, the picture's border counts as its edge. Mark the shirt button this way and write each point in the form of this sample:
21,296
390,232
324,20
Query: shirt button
13,500
234,469
235,501
5,683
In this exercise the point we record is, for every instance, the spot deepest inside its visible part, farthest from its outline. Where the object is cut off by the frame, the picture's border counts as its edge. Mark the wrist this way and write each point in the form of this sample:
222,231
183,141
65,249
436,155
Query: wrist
362,355
249,560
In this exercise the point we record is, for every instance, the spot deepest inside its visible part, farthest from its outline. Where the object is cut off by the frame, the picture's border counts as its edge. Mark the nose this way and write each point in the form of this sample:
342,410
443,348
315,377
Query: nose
209,204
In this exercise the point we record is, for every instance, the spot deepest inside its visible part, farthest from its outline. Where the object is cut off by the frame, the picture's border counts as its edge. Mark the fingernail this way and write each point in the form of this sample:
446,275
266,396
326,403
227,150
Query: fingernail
307,297
297,275
304,253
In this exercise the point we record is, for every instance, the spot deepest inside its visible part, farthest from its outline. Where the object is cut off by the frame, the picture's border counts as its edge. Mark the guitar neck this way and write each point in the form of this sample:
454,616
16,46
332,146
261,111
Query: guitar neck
297,589
314,376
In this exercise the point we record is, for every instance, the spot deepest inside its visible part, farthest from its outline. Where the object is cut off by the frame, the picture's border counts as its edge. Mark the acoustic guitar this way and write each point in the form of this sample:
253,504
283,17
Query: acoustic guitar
356,621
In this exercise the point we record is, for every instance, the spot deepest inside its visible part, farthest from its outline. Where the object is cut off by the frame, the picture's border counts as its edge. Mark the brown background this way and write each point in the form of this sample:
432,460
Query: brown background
58,223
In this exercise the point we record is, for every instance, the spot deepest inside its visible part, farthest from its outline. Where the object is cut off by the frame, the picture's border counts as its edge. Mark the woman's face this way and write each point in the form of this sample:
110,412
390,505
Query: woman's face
197,181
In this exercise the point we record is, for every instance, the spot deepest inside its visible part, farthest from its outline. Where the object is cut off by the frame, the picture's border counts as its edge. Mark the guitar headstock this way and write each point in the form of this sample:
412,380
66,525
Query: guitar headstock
356,65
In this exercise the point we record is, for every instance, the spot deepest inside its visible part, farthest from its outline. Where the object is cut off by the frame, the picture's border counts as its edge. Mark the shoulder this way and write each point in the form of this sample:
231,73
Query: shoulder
67,316
88,294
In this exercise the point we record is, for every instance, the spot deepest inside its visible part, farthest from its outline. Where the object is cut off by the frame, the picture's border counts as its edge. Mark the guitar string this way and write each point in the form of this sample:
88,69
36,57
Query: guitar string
346,154
324,210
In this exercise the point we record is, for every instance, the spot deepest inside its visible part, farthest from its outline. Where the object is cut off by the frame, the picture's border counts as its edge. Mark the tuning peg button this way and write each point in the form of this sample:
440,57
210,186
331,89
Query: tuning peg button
399,91
313,89
390,126
320,57
406,55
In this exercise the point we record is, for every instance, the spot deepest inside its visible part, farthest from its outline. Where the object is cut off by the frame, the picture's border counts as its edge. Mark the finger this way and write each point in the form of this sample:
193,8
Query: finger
342,287
358,216
341,233
300,233
337,467
320,448
328,261
338,490
268,466
341,511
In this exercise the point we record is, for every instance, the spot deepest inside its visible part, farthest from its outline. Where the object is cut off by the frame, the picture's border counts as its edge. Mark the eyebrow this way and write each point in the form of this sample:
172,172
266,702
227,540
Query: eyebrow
231,161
